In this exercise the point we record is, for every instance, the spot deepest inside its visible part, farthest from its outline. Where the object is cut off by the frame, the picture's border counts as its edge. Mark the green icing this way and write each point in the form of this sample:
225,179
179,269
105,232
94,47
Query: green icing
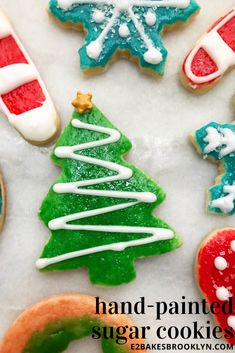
57,336
107,267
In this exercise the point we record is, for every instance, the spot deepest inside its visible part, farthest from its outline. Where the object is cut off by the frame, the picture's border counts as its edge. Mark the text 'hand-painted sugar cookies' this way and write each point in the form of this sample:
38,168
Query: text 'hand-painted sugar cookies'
23,96
123,28
213,55
215,275
52,324
100,208
217,142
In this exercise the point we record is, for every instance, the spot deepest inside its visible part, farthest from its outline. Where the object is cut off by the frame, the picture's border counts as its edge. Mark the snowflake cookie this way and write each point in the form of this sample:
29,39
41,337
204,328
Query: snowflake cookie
117,28
217,142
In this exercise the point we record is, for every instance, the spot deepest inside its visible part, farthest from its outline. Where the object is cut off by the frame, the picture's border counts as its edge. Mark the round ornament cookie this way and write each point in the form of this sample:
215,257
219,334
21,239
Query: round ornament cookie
216,142
99,210
52,324
123,28
212,56
215,275
24,98
2,202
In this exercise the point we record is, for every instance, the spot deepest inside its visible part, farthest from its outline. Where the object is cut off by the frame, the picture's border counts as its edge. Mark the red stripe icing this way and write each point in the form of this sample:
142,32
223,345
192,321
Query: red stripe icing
24,98
10,53
227,32
202,64
218,247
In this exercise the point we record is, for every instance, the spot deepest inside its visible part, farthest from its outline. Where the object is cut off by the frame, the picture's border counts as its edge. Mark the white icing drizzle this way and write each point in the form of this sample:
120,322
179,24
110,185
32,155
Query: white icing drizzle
217,49
233,245
221,137
150,18
153,55
220,263
122,173
225,203
37,124
231,322
222,293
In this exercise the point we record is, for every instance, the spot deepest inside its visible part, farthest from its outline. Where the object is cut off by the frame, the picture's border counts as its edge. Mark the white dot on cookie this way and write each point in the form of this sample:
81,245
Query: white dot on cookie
98,16
231,322
233,245
150,18
124,31
220,263
222,293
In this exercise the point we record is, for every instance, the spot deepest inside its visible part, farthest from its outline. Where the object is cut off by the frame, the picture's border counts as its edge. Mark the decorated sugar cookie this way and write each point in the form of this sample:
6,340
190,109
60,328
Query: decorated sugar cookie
23,96
217,143
212,56
123,28
2,202
52,324
99,210
215,276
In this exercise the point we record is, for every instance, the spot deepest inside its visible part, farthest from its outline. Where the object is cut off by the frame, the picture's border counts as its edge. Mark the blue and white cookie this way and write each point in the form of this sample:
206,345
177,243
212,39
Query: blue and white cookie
123,28
217,143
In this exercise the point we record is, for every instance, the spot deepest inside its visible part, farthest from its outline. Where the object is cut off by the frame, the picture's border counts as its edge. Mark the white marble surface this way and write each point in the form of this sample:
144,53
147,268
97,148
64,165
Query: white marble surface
157,116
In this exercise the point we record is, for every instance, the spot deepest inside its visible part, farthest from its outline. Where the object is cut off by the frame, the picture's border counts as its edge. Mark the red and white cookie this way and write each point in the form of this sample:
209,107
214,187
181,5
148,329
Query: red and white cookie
215,271
212,56
23,96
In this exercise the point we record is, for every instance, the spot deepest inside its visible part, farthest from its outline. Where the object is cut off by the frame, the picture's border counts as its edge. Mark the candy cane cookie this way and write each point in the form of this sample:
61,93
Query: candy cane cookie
212,56
24,98
53,323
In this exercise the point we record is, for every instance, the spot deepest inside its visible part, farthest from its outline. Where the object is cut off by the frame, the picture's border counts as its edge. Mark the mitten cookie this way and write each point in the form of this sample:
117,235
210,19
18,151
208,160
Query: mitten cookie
217,143
2,202
123,28
212,56
99,210
23,96
215,275
53,323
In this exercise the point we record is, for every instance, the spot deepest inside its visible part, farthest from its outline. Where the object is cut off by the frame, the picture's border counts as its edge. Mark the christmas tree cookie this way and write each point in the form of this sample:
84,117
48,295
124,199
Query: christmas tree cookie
217,143
99,210
2,202
52,324
123,28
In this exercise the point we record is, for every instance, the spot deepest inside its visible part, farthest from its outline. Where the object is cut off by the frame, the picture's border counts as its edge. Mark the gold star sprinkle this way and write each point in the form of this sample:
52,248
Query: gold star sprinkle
83,102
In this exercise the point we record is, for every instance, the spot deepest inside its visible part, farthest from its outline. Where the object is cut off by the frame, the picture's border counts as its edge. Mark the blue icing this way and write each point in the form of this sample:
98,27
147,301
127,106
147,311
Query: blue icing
134,43
228,178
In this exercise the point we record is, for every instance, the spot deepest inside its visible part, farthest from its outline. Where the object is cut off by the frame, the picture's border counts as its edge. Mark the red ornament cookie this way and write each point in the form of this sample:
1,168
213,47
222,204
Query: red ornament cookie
52,324
212,56
23,96
215,271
